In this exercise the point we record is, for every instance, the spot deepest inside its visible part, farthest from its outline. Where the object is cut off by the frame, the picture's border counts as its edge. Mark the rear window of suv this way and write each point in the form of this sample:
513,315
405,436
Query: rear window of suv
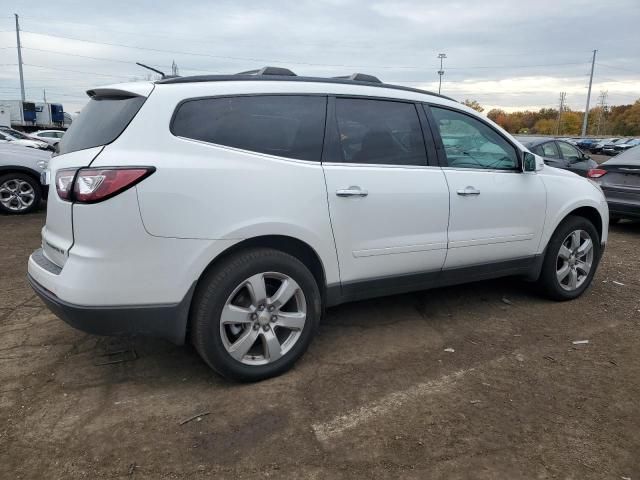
289,126
101,121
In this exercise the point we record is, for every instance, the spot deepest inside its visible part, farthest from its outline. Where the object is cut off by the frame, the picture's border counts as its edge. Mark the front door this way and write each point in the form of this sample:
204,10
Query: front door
497,211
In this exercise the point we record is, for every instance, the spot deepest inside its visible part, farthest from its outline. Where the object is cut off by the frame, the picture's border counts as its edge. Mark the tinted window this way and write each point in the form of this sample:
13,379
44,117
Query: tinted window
471,143
548,150
379,132
284,125
101,121
569,152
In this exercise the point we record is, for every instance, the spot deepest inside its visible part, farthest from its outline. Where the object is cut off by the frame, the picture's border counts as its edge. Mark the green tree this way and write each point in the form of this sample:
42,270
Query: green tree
473,104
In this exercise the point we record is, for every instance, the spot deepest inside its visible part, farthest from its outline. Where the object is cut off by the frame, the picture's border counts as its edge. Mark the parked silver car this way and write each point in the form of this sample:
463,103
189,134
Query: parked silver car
22,178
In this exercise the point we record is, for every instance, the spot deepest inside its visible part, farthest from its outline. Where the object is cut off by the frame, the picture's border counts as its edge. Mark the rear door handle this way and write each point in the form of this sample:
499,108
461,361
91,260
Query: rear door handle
352,191
467,191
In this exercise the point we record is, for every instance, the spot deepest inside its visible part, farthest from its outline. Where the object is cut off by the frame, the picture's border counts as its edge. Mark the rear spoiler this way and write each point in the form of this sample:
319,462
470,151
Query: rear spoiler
137,89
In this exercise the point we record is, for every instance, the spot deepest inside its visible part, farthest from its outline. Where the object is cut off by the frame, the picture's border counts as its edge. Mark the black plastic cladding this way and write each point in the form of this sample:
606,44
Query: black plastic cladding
280,78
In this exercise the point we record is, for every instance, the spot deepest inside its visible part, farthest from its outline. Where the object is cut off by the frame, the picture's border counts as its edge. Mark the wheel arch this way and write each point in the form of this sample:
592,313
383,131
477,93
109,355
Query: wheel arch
284,243
24,170
590,213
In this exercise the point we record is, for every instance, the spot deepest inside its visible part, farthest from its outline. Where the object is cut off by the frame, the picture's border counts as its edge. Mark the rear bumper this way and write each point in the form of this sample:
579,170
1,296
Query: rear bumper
166,321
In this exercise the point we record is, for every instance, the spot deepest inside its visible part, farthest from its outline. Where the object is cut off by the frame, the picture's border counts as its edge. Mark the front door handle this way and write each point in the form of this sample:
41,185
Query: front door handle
352,191
467,191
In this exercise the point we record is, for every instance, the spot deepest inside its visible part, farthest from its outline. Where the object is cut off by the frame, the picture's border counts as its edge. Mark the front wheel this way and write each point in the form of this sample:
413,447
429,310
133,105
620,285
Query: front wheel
255,314
571,259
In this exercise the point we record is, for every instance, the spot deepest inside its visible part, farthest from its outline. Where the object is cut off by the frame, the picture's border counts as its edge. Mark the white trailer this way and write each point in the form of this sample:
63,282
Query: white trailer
23,114
5,115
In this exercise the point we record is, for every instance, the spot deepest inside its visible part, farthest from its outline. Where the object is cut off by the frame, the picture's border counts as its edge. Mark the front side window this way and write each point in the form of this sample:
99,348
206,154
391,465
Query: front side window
379,132
569,152
289,126
470,143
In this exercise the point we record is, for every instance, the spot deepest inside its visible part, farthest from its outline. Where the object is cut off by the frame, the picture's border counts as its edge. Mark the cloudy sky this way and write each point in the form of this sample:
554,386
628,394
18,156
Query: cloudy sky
506,54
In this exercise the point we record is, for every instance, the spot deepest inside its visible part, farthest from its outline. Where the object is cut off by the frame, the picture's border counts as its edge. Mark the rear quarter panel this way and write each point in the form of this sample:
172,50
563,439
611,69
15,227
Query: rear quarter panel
207,192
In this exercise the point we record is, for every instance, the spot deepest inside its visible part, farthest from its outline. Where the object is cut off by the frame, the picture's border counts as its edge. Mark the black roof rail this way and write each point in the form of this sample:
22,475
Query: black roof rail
361,77
291,78
284,72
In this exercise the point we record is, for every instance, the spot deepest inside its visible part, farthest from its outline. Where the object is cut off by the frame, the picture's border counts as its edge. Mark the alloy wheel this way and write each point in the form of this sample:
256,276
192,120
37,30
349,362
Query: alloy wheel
263,318
17,195
574,260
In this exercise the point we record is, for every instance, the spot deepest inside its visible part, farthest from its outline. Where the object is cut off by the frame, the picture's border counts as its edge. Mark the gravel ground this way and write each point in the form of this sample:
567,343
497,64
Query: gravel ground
377,395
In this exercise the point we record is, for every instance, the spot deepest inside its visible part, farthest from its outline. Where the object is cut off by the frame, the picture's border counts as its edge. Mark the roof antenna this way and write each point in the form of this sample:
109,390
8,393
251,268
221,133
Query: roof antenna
152,69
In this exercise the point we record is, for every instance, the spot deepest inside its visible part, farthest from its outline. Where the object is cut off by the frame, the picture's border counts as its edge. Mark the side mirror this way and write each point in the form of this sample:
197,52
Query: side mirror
532,162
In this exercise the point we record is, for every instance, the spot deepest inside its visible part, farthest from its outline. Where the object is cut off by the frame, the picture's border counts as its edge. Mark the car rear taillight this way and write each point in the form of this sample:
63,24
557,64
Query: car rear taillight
596,172
64,182
91,185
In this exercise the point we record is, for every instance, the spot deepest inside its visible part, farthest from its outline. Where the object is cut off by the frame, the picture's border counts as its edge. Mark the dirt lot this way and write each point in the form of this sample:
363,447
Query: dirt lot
377,395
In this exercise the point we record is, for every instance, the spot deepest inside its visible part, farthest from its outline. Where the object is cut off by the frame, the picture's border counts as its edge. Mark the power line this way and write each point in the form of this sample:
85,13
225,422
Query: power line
224,57
262,60
617,68
81,72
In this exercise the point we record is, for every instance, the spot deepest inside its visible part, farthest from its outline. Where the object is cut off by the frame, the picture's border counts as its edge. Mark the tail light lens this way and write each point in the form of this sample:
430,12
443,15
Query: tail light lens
91,185
596,172
64,182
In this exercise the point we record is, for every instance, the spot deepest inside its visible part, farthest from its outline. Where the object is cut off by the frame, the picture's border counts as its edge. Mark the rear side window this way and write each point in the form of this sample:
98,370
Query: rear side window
548,150
289,126
101,121
379,132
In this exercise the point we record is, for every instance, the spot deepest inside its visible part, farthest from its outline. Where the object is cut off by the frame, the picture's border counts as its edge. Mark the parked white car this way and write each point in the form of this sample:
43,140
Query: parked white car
22,178
52,137
18,138
231,210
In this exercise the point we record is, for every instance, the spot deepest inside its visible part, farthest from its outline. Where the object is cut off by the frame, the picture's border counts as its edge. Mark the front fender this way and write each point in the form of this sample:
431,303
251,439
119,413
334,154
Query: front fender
567,193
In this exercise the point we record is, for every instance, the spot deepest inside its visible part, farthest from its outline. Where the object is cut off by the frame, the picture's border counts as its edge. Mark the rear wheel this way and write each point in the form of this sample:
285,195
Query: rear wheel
19,193
255,314
571,260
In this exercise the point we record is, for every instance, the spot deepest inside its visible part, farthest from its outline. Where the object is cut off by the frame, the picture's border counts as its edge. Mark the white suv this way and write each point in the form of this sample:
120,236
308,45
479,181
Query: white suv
231,210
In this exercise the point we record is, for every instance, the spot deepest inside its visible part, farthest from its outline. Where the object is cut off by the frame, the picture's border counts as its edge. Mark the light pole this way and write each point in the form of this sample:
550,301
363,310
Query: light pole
441,56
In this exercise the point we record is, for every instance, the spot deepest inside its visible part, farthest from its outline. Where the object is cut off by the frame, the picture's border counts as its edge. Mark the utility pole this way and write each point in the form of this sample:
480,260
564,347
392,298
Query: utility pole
602,103
586,110
563,95
441,56
19,57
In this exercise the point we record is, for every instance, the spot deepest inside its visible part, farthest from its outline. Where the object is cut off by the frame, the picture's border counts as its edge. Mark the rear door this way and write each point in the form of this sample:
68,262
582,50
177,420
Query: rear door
389,205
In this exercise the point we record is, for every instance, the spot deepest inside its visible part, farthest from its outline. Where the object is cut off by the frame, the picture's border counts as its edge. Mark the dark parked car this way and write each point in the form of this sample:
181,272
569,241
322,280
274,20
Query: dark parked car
587,143
621,147
610,148
559,154
599,145
619,179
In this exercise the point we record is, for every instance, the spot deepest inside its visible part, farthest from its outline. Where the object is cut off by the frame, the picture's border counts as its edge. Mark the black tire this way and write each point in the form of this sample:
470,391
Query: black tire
216,287
548,281
34,184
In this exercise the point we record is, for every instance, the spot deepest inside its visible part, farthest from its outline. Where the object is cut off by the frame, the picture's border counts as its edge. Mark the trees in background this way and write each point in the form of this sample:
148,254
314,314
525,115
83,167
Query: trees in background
619,120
